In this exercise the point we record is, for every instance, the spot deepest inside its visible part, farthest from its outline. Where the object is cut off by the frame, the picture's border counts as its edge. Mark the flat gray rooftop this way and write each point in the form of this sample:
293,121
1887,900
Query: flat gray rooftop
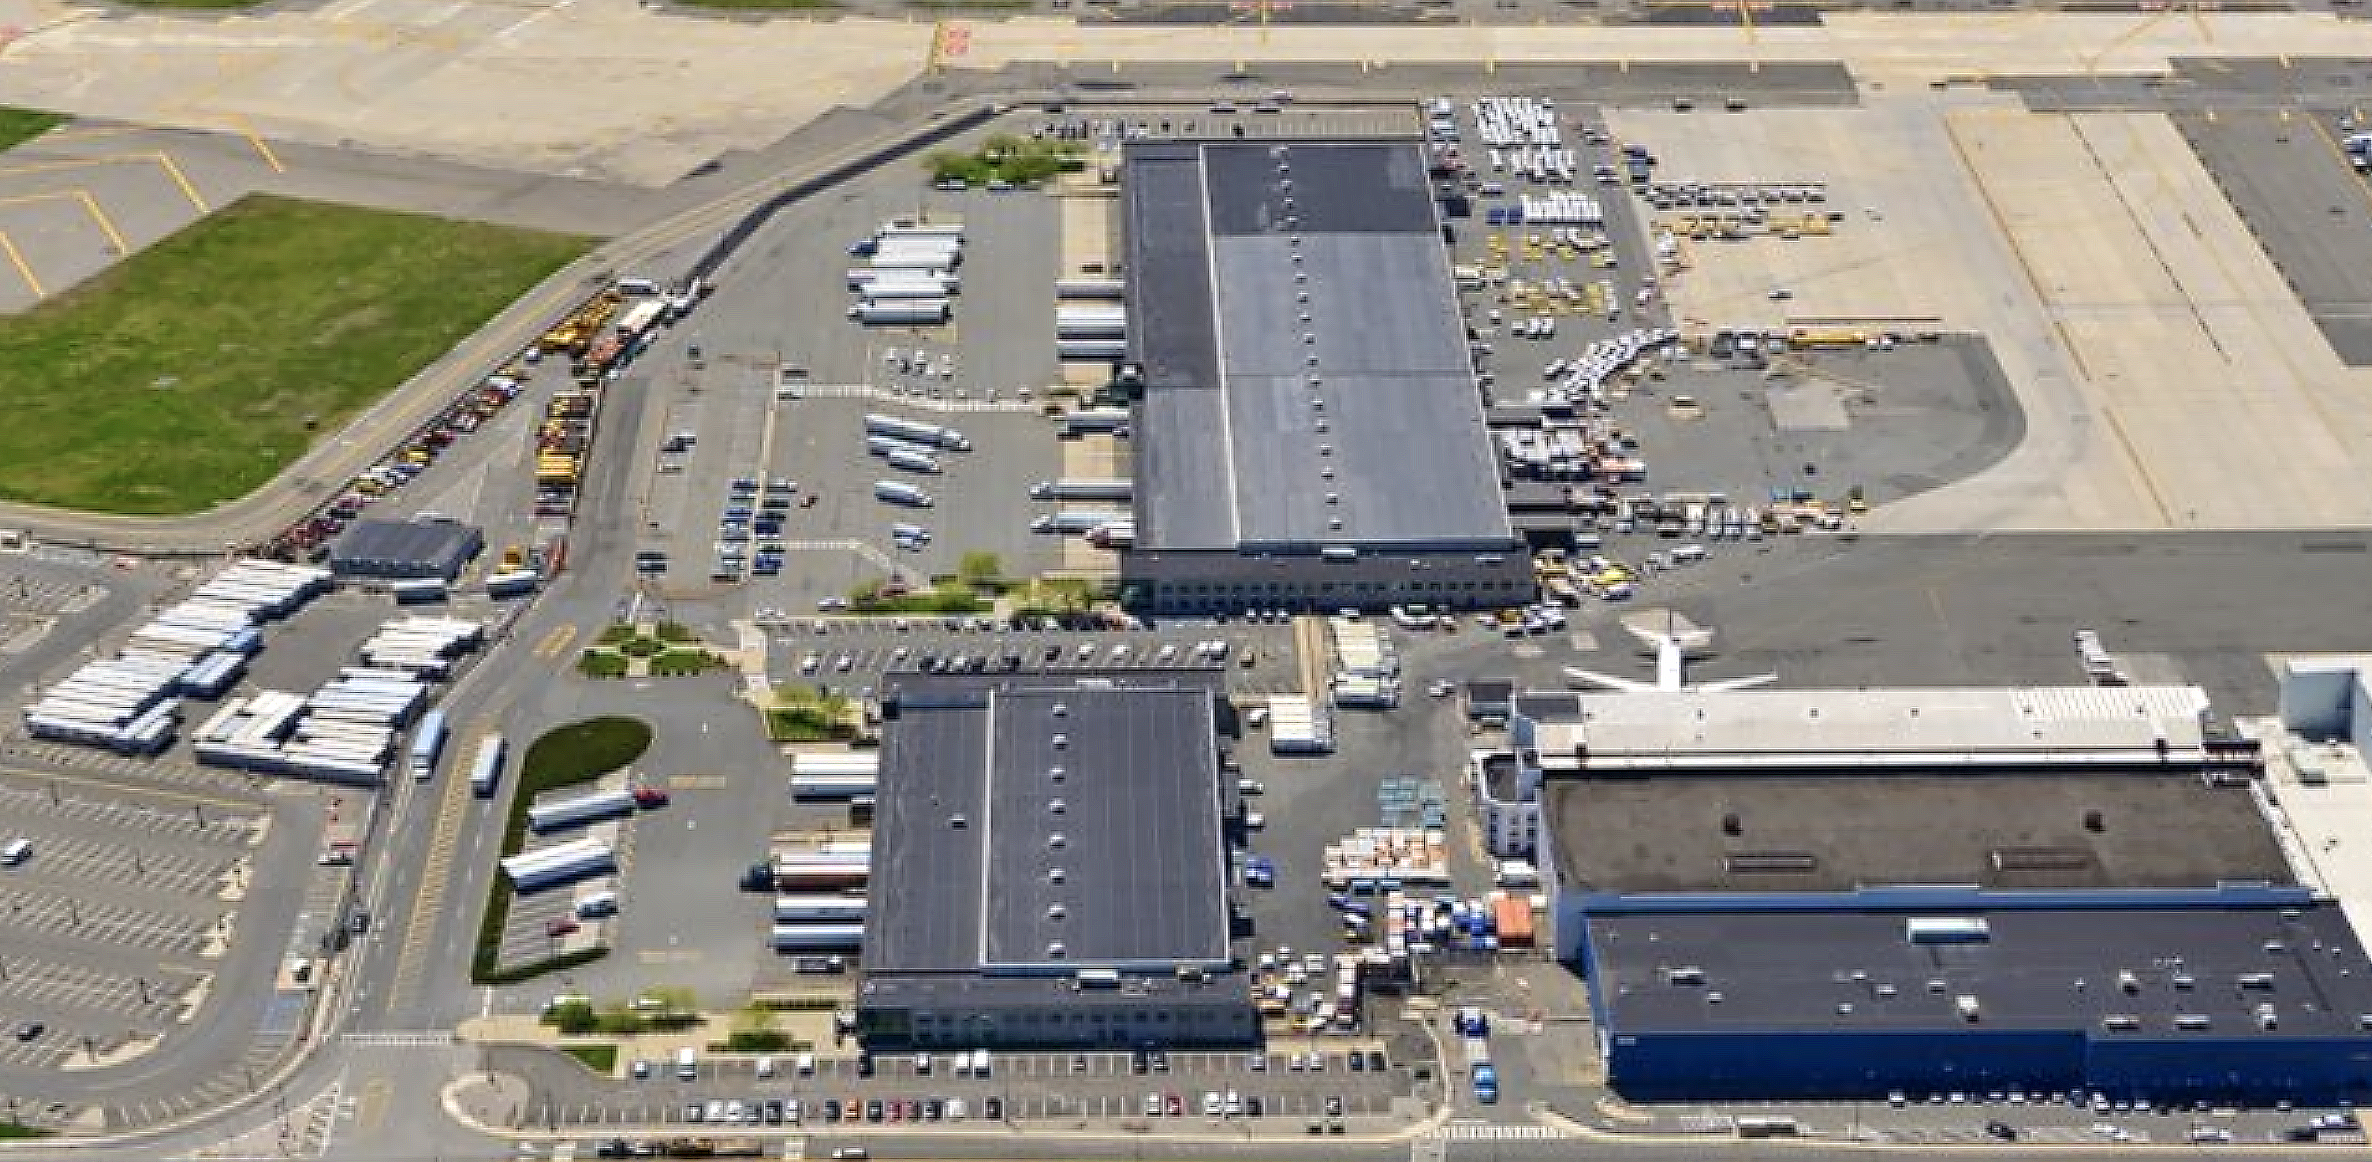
1360,426
1842,830
1839,971
1089,832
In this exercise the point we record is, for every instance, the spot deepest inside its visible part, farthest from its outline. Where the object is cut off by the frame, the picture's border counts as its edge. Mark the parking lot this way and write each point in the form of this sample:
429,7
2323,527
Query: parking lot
1021,1087
116,919
773,383
852,653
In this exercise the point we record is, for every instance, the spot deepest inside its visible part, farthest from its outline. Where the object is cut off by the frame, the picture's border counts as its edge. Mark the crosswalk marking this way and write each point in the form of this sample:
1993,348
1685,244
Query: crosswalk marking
1486,1132
396,1038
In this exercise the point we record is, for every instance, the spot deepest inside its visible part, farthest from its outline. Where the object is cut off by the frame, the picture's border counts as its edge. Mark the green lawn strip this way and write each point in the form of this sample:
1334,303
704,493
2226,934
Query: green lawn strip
579,752
602,1059
18,126
194,371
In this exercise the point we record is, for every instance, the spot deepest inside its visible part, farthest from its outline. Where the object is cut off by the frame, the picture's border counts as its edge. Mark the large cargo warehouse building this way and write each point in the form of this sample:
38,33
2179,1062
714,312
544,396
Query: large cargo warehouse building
1310,434
1049,867
1842,893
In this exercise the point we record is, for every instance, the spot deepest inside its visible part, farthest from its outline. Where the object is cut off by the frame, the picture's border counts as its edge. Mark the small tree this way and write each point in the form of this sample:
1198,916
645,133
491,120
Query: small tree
574,1019
618,1019
980,569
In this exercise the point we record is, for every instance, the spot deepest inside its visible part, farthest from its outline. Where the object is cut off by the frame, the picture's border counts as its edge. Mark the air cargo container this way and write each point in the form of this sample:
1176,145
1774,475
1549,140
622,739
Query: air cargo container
558,864
899,492
577,809
1513,915
932,435
914,462
1081,490
485,771
818,937
810,909
901,312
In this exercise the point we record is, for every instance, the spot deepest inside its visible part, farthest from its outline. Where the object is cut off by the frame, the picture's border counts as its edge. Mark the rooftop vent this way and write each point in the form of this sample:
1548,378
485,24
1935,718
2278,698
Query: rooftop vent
1054,951
2192,1021
2256,980
1713,998
1055,773
1966,1005
1685,974
1056,841
1732,825
1061,711
1055,875
2183,981
1057,806
2127,982
2094,822
958,822
1056,911
1061,741
2120,1021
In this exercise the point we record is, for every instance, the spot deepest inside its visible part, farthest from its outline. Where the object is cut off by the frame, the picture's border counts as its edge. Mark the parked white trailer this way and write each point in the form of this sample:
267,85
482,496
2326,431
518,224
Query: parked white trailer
900,492
1082,489
931,435
901,312
813,908
558,864
1089,289
914,462
579,809
818,937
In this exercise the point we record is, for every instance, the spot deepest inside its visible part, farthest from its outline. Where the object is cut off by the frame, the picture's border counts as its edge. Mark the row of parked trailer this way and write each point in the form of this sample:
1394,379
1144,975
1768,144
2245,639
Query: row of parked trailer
1090,322
909,278
198,648
820,904
347,730
834,776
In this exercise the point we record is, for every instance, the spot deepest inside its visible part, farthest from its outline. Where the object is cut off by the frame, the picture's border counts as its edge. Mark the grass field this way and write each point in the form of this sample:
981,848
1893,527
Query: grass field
18,126
195,371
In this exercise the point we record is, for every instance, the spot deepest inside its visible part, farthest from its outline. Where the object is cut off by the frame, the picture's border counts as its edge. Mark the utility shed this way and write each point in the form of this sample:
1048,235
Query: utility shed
1310,433
1049,866
407,550
2253,1003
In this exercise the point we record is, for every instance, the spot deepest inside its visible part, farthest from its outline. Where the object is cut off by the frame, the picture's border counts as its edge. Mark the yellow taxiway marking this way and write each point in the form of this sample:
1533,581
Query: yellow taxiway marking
697,782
